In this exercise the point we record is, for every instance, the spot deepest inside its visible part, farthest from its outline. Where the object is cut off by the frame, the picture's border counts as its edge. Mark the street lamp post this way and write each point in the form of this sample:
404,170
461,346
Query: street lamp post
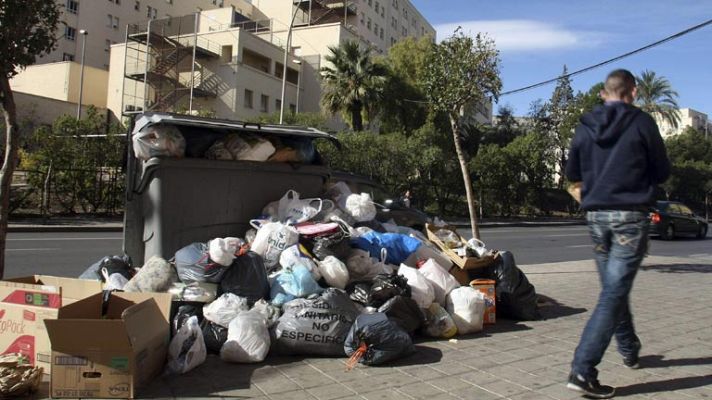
284,67
84,34
299,81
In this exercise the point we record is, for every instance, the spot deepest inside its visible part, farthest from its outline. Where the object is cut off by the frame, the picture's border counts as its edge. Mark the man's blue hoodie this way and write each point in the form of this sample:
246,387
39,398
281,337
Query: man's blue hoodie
619,155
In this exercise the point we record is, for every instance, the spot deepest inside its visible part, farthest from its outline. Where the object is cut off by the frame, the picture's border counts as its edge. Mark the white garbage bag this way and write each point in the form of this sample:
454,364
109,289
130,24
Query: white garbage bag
297,255
467,307
334,272
293,210
272,239
247,339
158,141
441,280
187,349
224,250
225,308
361,207
421,289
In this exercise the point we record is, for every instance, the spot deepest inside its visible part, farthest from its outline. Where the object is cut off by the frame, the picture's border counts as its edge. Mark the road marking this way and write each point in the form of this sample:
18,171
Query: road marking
42,249
579,245
55,239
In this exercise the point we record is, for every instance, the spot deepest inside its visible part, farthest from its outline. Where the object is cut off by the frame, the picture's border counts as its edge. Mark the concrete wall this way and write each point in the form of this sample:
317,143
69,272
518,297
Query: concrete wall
61,81
34,110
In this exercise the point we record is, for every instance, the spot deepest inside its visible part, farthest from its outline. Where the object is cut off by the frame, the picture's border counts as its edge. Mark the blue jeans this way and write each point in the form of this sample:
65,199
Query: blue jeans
620,241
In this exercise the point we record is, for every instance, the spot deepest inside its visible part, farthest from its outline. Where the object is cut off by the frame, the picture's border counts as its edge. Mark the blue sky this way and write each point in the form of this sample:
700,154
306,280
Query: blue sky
536,39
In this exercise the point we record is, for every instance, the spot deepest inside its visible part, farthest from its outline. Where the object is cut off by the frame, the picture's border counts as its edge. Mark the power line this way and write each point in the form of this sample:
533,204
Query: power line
630,53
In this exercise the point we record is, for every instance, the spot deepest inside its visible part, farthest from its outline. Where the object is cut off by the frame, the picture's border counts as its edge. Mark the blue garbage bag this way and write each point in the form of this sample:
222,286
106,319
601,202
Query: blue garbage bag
293,283
399,246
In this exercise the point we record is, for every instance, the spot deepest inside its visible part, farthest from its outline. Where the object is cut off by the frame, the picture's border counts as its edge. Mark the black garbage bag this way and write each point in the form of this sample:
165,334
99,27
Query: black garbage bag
358,291
405,312
214,336
247,278
378,338
516,297
184,312
332,244
113,264
193,264
315,326
372,224
386,286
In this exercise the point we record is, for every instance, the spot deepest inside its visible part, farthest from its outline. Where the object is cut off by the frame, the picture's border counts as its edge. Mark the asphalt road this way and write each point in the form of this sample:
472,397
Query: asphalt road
69,253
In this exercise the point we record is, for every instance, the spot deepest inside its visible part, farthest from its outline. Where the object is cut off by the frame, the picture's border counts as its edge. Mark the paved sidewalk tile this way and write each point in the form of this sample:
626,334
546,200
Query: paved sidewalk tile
671,303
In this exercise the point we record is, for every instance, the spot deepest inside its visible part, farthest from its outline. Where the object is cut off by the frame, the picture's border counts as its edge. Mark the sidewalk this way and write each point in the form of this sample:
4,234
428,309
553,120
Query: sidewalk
529,360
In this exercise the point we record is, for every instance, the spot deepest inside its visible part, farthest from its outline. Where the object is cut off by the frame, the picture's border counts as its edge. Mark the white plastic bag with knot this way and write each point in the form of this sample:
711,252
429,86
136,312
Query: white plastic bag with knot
361,207
224,250
334,272
225,308
421,289
467,307
248,339
271,240
293,210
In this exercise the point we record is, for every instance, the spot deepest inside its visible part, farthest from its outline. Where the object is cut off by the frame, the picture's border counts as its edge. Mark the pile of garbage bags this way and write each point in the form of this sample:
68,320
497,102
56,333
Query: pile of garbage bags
317,277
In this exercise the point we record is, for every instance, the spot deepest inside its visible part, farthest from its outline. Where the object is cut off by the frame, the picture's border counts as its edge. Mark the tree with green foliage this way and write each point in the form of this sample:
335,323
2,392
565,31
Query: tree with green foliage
657,97
404,106
28,29
81,159
352,84
691,178
563,115
462,70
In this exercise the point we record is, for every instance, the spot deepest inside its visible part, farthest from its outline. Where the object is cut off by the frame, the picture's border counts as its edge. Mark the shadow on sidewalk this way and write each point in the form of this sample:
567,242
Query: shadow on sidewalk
550,308
667,385
679,268
656,361
423,355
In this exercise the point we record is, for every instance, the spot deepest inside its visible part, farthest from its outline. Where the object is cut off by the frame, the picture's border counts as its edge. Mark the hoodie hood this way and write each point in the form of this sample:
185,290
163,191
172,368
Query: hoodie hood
606,123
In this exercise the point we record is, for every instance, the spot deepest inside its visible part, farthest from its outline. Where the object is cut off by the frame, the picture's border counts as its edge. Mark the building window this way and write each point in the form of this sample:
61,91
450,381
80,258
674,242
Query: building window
368,24
73,6
292,108
70,33
381,35
67,57
155,13
370,3
116,22
278,105
118,1
264,103
226,54
107,46
375,29
148,12
377,7
137,5
383,12
405,31
394,22
169,1
363,17
109,20
248,98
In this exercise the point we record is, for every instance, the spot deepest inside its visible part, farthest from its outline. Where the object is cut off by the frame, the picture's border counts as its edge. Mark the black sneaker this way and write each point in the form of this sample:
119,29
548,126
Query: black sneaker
590,387
632,361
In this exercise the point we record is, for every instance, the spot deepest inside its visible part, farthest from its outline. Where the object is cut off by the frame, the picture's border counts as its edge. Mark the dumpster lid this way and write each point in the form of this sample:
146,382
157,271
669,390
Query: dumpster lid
147,119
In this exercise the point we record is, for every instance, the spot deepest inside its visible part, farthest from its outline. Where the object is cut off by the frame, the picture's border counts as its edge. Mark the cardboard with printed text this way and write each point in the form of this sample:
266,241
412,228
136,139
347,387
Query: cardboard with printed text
113,354
24,305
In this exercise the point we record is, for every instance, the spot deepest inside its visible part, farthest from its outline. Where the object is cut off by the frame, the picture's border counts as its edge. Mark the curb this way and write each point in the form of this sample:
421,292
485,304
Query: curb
519,224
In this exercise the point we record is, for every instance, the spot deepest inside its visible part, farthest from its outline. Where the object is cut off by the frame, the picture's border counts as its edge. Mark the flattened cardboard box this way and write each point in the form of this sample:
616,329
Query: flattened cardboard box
24,305
113,355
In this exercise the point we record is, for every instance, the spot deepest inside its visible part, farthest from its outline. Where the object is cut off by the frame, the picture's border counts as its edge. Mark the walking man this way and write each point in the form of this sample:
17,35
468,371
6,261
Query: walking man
619,157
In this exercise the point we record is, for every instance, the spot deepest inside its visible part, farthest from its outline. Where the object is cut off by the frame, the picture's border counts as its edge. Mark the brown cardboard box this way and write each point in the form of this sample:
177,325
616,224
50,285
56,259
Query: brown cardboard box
24,305
113,355
486,286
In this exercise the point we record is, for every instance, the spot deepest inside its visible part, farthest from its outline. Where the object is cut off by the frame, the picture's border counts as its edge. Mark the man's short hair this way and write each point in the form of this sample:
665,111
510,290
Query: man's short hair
620,82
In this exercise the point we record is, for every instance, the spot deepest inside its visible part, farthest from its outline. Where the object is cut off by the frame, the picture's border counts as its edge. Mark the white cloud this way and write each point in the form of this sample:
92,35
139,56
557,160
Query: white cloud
524,35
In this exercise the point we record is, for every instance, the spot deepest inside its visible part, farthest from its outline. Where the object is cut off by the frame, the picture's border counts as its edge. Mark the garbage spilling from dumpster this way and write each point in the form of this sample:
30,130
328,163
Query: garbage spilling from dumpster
321,277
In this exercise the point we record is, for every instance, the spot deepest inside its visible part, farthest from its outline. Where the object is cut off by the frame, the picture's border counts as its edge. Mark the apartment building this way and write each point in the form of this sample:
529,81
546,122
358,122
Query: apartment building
688,118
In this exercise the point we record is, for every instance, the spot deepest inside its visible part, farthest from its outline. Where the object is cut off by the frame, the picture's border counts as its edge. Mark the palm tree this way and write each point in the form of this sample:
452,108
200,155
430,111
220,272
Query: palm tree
657,97
352,83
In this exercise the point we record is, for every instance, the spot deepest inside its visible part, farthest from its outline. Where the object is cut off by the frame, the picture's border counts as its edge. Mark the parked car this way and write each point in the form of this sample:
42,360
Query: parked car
670,219
388,206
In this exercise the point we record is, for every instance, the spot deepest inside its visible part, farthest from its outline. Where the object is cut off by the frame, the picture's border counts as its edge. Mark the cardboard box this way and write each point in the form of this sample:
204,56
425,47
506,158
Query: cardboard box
24,305
486,286
462,262
109,356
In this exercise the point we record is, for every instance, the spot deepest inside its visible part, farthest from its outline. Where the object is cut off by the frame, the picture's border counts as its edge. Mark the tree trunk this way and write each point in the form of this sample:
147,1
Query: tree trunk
454,123
8,167
357,118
